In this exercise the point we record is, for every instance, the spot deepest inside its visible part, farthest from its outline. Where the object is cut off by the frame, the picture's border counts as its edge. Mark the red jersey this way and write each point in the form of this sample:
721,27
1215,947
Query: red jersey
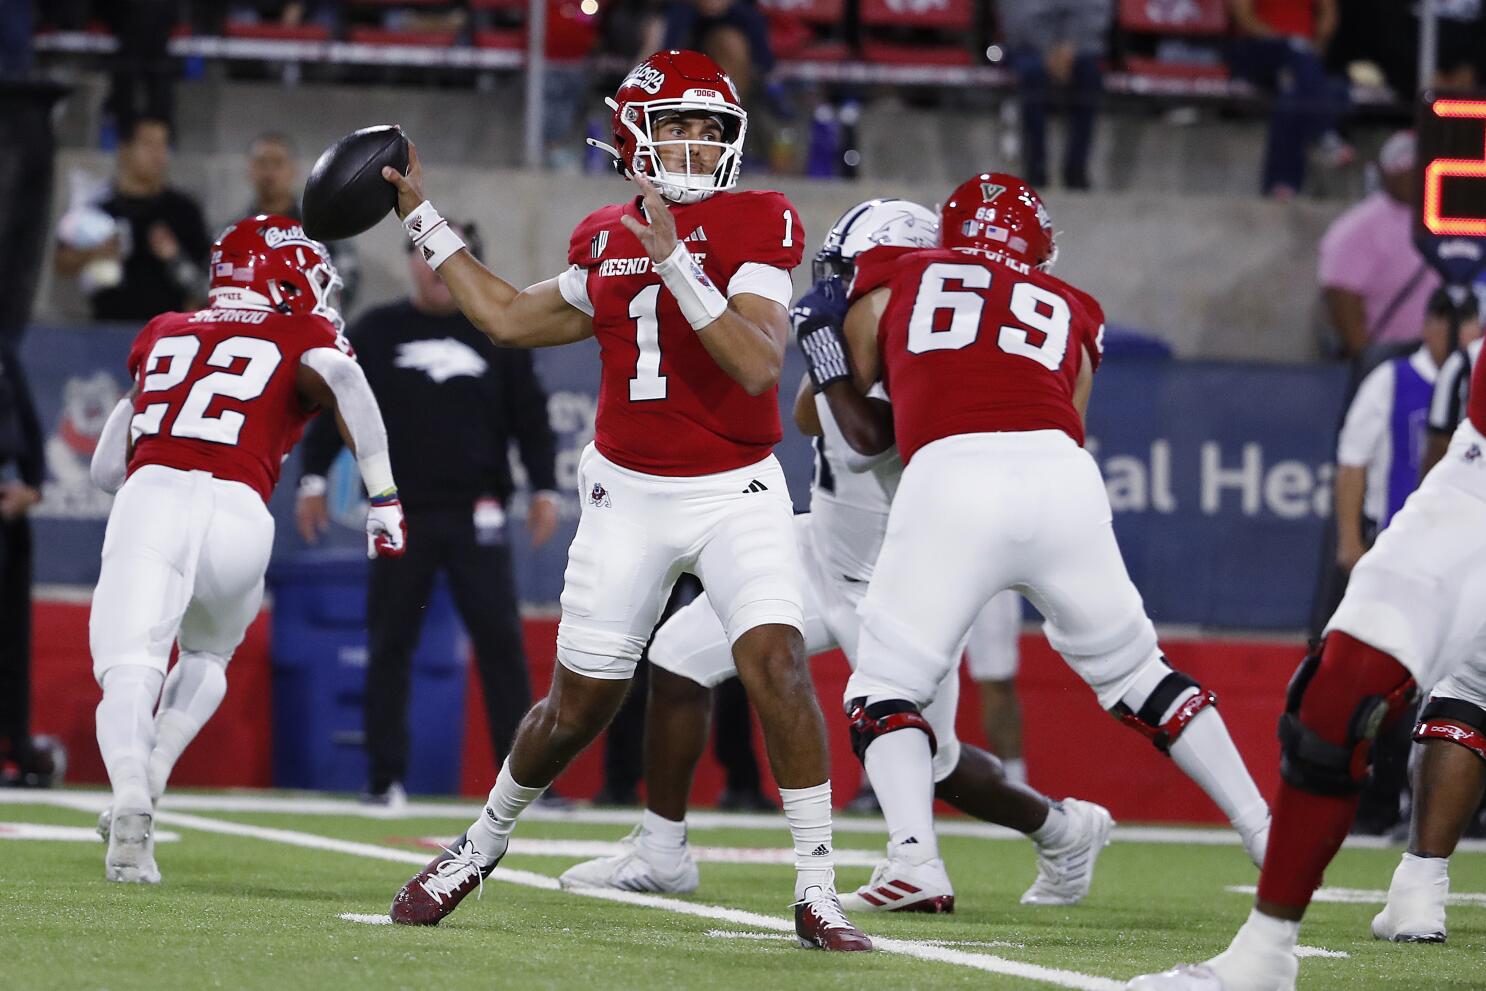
665,406
1292,18
217,391
975,345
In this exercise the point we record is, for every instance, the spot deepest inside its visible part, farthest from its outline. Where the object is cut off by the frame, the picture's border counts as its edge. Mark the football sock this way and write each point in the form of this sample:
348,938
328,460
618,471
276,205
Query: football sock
193,690
1015,769
662,838
901,769
1053,829
1262,942
126,731
808,811
1308,829
1206,754
492,831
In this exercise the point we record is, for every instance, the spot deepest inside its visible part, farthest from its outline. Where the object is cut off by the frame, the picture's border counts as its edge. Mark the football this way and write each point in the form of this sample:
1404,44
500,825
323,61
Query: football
345,193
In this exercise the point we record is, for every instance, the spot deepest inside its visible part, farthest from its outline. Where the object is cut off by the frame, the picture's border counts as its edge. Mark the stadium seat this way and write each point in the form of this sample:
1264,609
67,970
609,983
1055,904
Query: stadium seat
368,35
807,30
276,32
1148,22
885,21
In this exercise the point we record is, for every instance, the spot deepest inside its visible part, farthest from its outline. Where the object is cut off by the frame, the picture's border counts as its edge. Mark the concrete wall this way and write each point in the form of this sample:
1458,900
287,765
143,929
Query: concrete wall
1229,277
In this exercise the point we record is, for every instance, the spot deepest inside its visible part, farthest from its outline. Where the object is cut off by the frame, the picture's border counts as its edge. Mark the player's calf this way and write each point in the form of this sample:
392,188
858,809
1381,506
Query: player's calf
1180,718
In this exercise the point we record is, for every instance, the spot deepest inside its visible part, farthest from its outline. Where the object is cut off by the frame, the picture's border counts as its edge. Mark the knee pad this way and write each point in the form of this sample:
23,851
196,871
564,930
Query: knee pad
1148,721
1311,762
868,722
1454,721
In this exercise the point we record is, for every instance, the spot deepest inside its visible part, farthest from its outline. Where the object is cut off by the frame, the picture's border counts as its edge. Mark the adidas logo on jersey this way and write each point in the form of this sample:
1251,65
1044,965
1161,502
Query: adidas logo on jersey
696,235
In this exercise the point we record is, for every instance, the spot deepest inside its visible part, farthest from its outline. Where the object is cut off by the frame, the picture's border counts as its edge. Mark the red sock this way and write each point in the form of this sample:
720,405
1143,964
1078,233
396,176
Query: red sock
1308,829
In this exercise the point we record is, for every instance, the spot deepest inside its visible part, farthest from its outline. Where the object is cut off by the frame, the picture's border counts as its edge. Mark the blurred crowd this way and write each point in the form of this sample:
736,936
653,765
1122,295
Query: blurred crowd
1304,57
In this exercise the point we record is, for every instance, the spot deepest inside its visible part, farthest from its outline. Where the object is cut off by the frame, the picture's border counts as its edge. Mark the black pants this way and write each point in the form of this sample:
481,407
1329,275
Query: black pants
484,591
15,636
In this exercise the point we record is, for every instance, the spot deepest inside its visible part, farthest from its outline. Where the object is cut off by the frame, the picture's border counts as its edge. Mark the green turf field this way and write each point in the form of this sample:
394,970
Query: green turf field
255,909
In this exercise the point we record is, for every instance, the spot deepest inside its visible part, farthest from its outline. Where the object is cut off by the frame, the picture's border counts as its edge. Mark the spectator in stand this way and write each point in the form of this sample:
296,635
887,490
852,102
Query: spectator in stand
734,33
274,177
1057,43
161,238
1378,461
1281,44
1374,279
453,404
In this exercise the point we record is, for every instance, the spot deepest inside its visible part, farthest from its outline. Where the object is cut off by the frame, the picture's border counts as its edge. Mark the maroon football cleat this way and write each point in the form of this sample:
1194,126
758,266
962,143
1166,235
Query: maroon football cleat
437,889
821,924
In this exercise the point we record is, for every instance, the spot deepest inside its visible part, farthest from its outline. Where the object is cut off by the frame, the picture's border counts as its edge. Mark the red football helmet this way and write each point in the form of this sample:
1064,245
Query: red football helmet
668,84
997,213
268,261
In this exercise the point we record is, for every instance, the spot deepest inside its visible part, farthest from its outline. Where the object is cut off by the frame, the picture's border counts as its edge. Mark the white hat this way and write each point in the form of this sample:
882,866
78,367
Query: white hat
1398,154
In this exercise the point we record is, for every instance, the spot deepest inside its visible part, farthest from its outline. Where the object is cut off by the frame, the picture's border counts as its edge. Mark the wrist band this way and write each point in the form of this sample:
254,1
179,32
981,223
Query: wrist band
376,473
431,235
383,498
312,485
700,302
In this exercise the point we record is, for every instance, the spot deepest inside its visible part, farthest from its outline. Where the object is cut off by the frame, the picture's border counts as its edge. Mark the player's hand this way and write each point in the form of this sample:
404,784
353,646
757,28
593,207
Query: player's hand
410,186
386,530
541,517
816,319
659,237
16,499
312,515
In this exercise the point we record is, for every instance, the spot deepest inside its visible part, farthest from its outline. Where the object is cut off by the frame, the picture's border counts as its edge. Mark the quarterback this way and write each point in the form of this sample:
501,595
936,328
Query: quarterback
686,288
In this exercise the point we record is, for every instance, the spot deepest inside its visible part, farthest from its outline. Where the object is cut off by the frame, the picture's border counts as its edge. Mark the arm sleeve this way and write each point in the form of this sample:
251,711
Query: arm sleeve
573,284
767,281
110,464
526,404
358,408
1449,393
1367,419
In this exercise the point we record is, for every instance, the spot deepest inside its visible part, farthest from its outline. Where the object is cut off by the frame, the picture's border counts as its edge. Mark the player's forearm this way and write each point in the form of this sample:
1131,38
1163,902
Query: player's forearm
110,462
866,424
1351,483
747,352
359,415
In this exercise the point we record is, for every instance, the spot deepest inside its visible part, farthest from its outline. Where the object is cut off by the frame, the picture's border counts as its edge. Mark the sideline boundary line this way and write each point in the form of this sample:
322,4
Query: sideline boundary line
314,804
717,913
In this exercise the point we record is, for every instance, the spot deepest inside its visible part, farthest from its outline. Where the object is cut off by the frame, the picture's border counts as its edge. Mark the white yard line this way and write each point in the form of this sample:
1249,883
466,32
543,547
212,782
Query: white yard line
310,804
526,846
66,834
717,913
1366,896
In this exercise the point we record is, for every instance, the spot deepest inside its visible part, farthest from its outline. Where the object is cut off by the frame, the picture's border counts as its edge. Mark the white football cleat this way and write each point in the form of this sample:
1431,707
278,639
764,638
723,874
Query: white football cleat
636,869
131,849
1065,872
1186,977
897,885
105,823
1415,912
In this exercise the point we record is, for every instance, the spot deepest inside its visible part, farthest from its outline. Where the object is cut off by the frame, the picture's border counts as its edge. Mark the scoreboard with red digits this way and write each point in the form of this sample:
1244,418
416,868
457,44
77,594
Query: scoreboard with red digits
1450,226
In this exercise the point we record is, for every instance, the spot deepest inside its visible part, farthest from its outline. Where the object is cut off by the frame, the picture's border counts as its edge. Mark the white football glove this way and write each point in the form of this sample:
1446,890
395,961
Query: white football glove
386,531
